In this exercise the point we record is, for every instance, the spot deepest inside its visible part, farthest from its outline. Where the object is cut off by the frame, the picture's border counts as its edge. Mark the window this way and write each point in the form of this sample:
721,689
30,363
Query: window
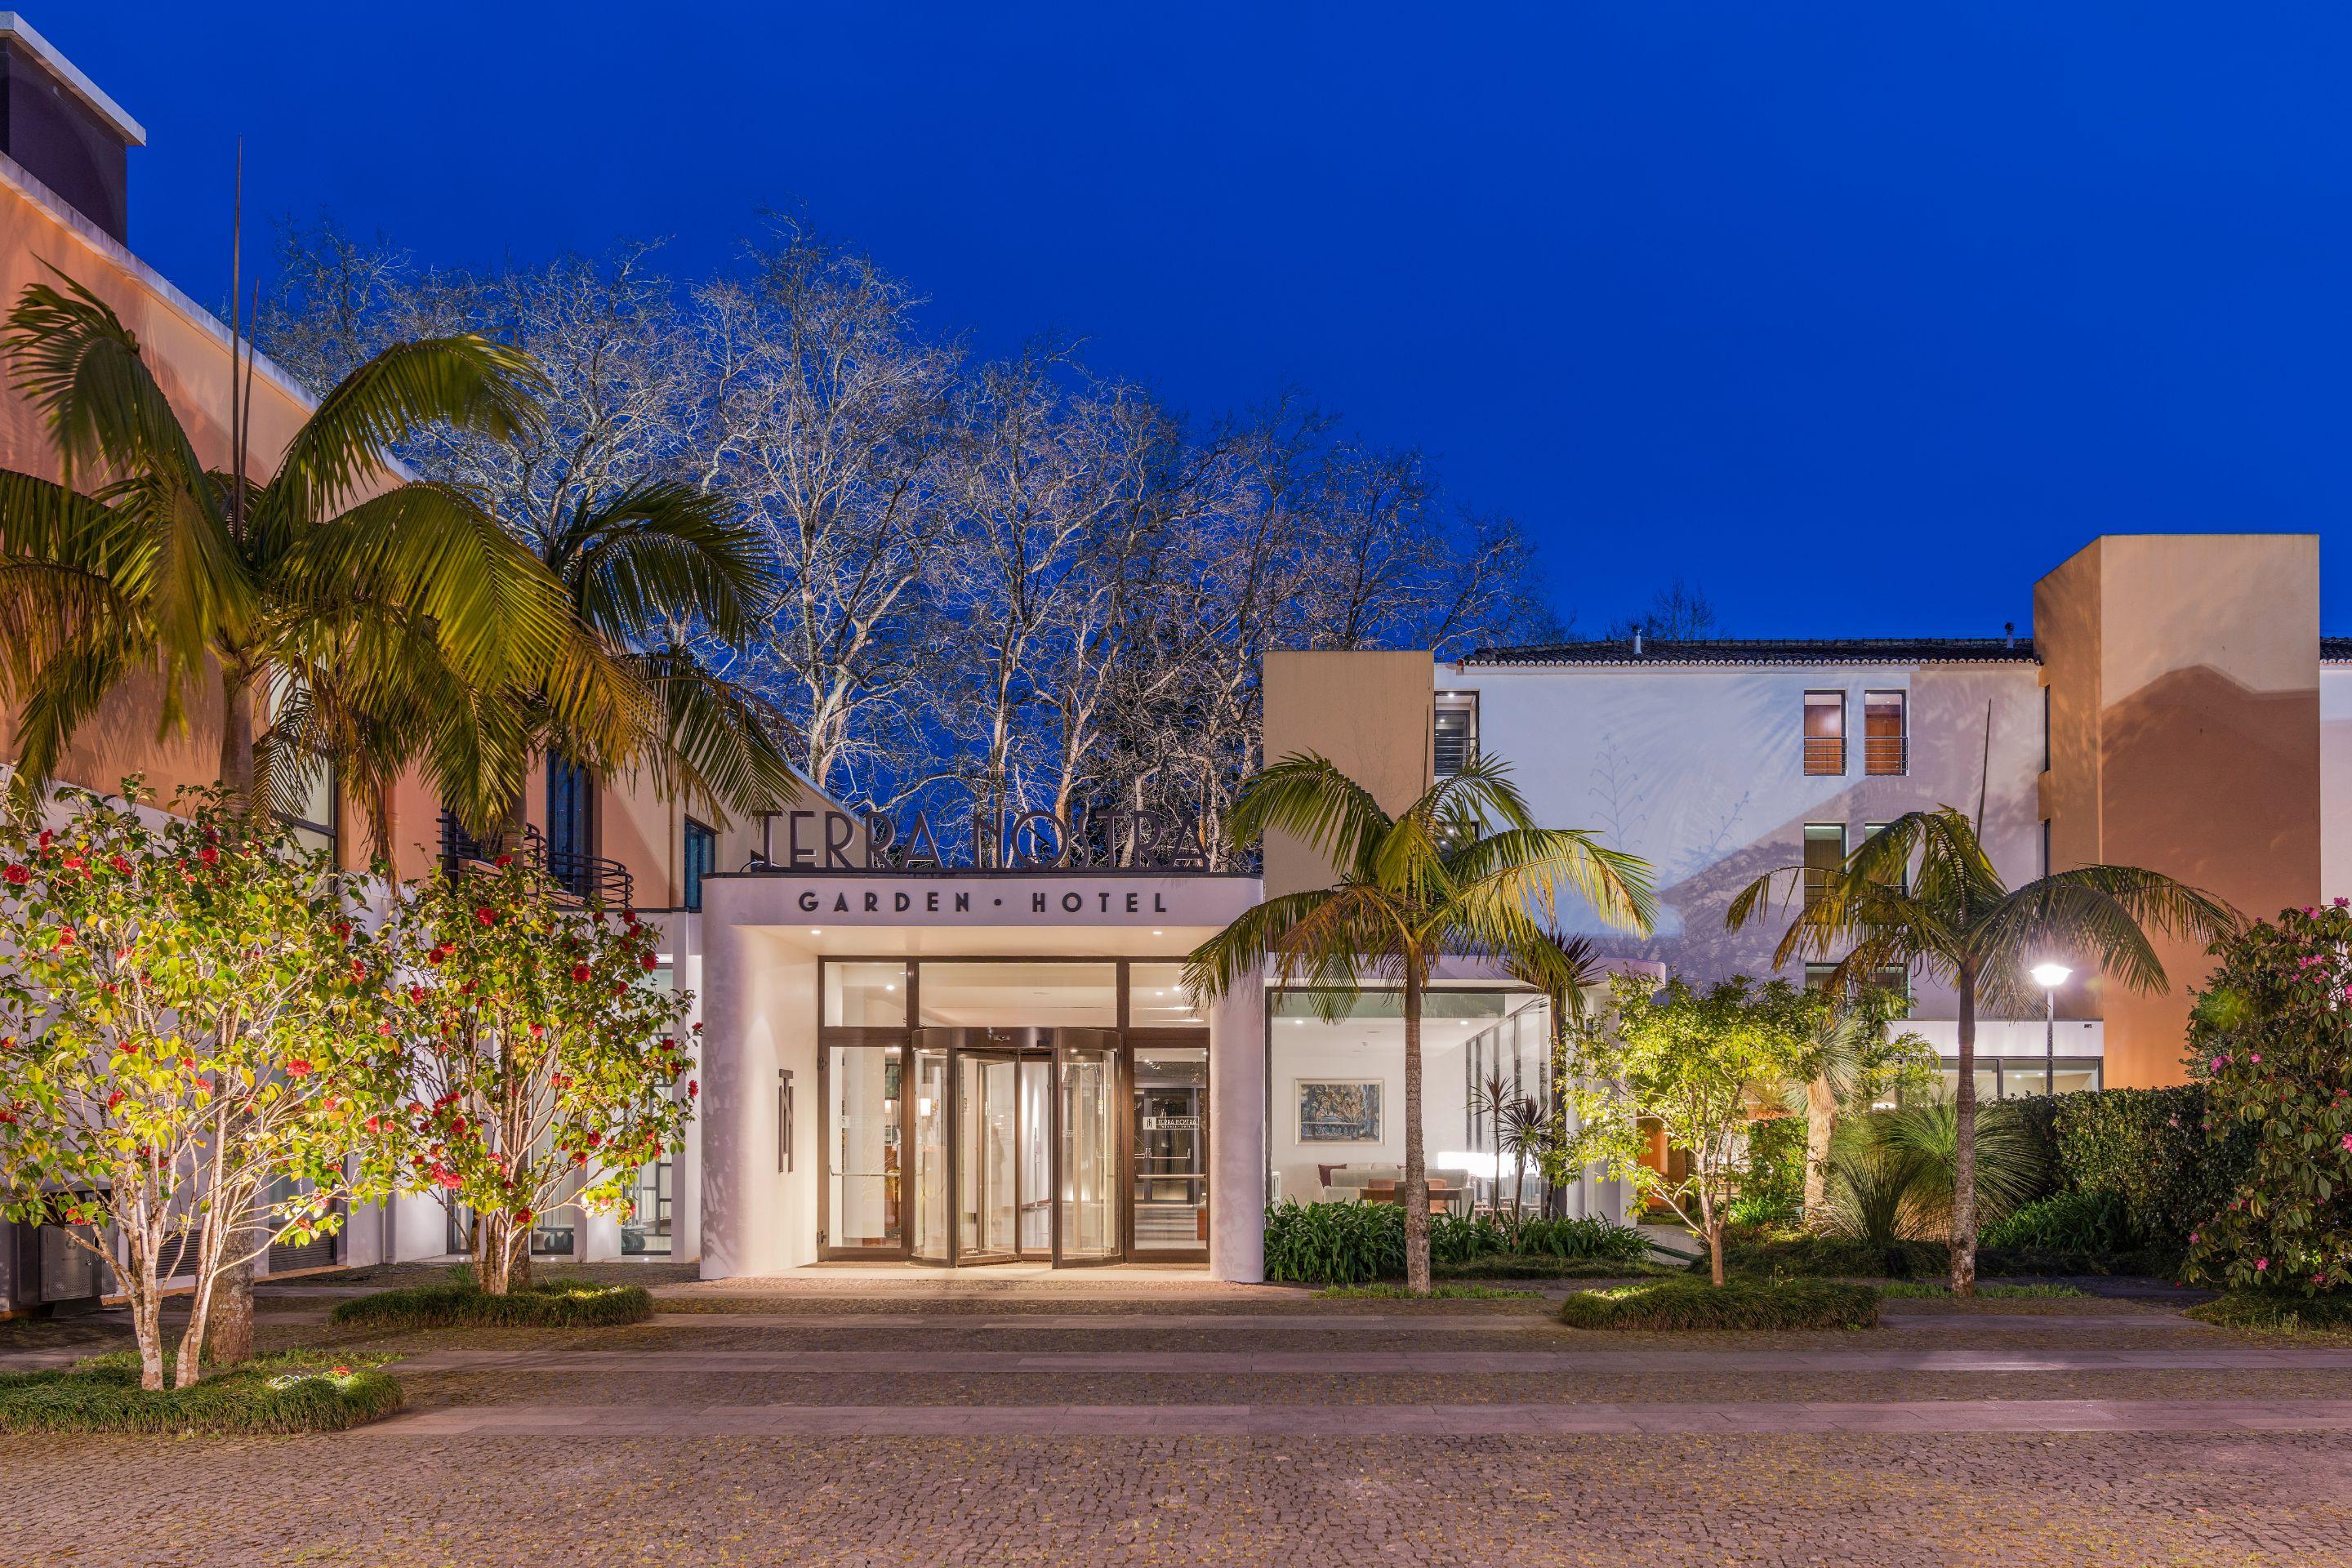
1817,975
2045,729
312,822
701,858
1824,858
571,823
1871,830
1456,737
1885,743
1895,981
1825,732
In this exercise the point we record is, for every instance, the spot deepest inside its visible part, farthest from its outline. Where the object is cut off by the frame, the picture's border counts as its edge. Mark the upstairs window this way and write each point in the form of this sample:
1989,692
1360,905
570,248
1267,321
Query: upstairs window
701,858
1825,732
1885,741
1824,858
1456,736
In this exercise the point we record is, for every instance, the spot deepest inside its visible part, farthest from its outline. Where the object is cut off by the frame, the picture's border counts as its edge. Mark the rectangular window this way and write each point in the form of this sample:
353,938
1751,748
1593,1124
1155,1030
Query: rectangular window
2045,729
1885,741
979,996
1156,999
1825,734
1824,857
1817,975
864,1174
1895,981
1456,738
865,995
701,857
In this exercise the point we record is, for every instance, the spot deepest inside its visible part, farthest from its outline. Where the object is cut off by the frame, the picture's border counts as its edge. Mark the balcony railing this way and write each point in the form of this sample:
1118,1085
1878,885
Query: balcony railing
1886,754
594,876
1825,755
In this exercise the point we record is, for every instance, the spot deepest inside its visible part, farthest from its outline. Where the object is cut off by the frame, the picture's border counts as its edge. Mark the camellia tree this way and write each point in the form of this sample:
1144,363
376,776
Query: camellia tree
194,1041
1695,1066
2272,1034
544,1059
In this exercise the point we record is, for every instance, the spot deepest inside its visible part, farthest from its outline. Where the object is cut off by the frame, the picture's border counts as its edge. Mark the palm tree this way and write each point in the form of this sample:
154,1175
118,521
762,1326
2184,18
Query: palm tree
1463,871
409,591
1923,892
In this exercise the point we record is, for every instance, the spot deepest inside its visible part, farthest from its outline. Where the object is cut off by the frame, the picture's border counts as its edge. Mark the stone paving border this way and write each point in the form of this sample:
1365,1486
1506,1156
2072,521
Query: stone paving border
1378,1364
1910,1417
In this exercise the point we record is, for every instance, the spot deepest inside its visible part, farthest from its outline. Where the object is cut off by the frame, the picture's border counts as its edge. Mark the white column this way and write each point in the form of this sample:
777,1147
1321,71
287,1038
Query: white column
1237,1133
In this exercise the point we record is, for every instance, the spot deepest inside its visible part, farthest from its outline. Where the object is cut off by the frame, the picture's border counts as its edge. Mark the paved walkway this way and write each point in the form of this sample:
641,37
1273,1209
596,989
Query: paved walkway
921,1365
1064,1421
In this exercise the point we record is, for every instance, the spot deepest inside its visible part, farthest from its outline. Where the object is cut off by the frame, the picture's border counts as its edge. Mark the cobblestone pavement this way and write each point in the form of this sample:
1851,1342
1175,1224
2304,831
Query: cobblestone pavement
1224,1427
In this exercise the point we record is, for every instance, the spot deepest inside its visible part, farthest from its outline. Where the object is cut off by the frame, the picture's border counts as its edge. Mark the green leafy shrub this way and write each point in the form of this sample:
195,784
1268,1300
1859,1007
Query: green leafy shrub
282,1393
1931,1291
2273,1035
1538,1266
1388,1291
1684,1303
2277,1309
2150,1151
1350,1243
561,1303
1838,1256
2067,1221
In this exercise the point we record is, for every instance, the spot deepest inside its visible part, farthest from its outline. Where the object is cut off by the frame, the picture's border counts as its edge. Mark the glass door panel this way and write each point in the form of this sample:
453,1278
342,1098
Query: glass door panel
988,1157
1037,1158
862,1166
1089,1152
1171,1132
930,1205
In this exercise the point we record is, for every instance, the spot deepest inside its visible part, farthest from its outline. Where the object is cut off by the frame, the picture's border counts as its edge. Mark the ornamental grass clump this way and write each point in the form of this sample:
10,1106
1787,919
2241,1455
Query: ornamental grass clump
1684,1303
296,1391
460,1302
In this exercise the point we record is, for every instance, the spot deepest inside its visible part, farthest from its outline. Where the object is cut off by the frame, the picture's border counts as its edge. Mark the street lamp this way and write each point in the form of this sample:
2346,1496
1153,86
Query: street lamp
2050,976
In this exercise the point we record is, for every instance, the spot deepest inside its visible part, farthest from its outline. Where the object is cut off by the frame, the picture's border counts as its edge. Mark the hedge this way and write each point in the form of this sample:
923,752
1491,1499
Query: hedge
1354,1244
1684,1303
560,1303
296,1391
2148,1149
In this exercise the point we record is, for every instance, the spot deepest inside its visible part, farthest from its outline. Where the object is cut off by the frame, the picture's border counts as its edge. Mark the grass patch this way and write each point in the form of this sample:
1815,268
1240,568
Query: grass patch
1684,1303
1540,1265
1929,1291
2329,1313
459,1303
1387,1291
296,1392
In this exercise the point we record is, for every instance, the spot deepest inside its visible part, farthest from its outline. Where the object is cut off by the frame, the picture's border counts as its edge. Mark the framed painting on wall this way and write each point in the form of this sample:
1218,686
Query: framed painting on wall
1338,1111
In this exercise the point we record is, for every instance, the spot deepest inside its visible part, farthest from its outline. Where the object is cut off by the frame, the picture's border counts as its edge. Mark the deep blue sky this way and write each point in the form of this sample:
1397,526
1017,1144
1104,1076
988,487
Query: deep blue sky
1860,316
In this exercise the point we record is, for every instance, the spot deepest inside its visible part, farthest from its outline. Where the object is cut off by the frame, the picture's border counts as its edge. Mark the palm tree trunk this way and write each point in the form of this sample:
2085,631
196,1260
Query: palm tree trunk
1964,1152
228,1326
1820,1121
1416,1171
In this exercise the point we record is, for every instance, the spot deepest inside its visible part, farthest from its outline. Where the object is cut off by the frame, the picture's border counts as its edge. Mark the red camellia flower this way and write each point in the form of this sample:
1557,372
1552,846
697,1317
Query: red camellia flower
579,975
343,929
121,865
65,937
72,862
487,916
522,1216
298,1067
503,862
19,875
693,1086
114,1100
535,1031
649,961
208,855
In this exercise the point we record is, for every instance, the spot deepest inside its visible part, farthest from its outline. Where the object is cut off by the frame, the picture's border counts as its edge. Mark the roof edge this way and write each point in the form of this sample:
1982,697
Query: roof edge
13,25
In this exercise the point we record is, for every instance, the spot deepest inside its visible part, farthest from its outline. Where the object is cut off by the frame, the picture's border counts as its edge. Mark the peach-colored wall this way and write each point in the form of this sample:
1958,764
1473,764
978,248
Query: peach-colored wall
1368,713
189,355
2186,737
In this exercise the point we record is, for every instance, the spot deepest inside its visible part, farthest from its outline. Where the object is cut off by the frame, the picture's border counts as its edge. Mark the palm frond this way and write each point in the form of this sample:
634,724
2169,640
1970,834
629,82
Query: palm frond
466,382
1308,798
1523,867
660,554
723,743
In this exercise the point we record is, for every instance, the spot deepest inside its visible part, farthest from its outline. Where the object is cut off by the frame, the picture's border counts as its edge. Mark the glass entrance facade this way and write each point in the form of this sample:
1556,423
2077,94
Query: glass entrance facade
1016,1110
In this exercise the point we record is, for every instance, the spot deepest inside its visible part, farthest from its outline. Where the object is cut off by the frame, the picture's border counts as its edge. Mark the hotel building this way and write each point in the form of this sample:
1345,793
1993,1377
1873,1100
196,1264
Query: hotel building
992,1064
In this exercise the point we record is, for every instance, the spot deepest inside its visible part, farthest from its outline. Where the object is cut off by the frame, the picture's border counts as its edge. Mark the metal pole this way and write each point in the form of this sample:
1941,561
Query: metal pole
2049,1046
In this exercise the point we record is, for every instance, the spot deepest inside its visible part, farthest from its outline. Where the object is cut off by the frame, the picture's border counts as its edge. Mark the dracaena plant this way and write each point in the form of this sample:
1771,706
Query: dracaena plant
546,1061
194,1022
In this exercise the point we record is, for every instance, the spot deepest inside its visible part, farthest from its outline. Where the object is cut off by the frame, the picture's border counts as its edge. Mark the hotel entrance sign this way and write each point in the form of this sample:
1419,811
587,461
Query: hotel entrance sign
1038,841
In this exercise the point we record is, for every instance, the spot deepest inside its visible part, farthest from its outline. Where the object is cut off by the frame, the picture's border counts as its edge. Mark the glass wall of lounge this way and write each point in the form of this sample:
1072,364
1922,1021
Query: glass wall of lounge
1335,1098
998,1110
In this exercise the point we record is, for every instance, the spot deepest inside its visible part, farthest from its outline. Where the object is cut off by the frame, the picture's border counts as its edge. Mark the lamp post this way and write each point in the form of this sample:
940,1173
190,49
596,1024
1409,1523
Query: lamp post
2050,976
